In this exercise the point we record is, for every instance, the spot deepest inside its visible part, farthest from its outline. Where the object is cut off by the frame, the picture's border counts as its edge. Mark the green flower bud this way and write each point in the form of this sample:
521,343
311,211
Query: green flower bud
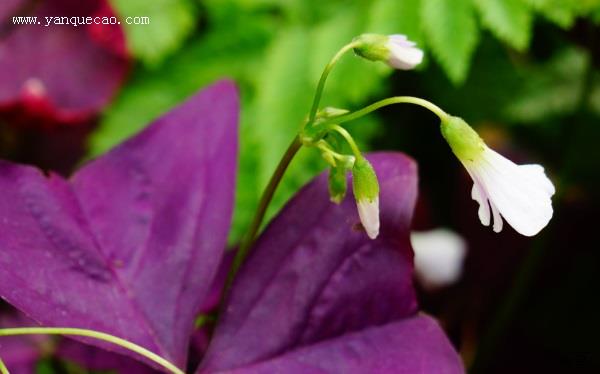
364,180
372,47
329,112
366,193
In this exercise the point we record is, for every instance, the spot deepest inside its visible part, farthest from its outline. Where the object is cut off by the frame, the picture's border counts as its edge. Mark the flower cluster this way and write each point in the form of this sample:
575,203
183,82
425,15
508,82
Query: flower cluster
519,193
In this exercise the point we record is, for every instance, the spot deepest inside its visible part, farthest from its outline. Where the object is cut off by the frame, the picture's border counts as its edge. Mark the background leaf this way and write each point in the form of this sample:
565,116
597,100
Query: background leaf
509,20
452,34
170,20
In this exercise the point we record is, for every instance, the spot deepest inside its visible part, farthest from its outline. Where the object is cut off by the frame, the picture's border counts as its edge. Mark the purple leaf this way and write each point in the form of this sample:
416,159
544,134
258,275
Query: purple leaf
415,345
315,278
92,358
60,73
131,244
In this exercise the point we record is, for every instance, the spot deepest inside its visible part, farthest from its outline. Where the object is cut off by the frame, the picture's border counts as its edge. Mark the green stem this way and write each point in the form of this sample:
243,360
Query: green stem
346,135
266,198
325,147
3,368
385,102
92,334
324,75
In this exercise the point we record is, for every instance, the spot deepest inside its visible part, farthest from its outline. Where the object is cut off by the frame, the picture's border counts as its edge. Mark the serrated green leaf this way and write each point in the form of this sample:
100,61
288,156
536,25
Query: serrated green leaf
508,20
564,12
561,12
170,23
397,17
492,82
452,34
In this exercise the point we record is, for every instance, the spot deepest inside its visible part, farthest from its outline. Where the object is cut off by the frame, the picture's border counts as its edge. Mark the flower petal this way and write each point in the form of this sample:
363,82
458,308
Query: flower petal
497,218
521,195
368,211
483,212
404,57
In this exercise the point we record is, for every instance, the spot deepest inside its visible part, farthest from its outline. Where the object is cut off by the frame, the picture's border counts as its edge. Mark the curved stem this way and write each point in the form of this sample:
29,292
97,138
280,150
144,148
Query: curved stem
325,147
346,135
3,368
96,335
324,75
385,102
266,198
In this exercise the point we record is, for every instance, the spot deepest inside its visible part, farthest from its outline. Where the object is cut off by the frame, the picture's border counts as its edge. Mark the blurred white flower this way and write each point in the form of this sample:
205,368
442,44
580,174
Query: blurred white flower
439,257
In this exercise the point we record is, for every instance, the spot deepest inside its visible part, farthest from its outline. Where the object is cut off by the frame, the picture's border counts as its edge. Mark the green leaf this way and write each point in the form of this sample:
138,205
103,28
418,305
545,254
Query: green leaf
171,21
277,64
397,17
561,12
564,12
508,20
553,89
353,78
452,34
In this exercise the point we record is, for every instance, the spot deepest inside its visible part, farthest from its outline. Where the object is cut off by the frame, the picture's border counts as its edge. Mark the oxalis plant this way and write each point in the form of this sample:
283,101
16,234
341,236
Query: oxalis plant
124,254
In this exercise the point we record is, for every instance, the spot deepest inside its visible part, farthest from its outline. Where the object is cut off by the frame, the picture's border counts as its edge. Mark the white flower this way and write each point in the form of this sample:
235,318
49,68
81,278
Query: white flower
519,193
395,50
368,211
439,257
404,54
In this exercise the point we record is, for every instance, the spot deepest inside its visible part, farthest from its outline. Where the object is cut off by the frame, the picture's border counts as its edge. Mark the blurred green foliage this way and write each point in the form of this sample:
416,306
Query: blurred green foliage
275,51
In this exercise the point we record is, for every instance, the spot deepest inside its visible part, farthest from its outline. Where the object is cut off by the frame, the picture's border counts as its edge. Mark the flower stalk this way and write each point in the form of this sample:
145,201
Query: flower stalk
90,334
323,79
3,368
386,102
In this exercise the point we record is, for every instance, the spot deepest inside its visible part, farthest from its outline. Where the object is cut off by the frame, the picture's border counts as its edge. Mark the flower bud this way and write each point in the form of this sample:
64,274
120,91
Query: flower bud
395,50
366,193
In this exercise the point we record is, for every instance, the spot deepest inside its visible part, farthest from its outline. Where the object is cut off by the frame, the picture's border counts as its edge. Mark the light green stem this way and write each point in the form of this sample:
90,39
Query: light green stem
3,368
346,135
267,195
385,102
92,334
325,147
324,75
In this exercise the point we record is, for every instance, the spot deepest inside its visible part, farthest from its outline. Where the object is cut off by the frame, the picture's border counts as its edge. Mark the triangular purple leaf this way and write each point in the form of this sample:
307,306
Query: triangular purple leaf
315,277
131,244
415,345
